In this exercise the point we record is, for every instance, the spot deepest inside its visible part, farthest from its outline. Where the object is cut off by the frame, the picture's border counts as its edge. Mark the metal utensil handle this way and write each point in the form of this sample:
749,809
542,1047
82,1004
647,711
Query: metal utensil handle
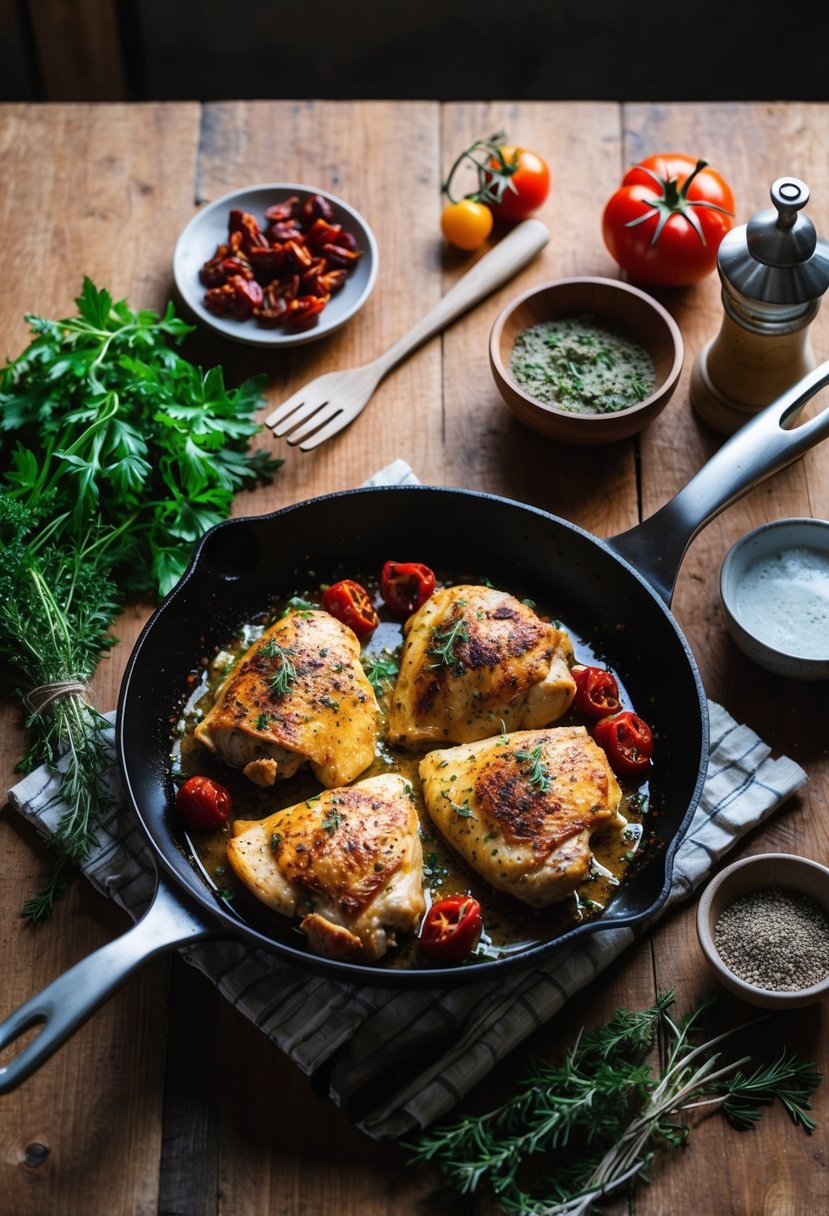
497,267
763,446
66,1003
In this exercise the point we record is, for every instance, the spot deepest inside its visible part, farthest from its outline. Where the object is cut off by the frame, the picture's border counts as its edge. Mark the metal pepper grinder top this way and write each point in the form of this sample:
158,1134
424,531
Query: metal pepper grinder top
774,271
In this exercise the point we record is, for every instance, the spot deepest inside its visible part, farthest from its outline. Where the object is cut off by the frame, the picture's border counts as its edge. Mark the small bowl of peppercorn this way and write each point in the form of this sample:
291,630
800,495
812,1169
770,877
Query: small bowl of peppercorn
763,924
586,360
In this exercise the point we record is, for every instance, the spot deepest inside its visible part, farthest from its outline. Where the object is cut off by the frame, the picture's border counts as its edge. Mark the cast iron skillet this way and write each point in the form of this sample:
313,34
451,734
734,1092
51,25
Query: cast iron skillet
615,592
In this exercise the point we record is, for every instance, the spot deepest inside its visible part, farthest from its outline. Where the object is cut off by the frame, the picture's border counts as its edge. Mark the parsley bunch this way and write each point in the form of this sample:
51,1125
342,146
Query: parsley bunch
117,455
589,1126
111,424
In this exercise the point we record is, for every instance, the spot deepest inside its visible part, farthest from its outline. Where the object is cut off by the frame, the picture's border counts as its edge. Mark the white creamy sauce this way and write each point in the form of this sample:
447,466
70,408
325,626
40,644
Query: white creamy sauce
783,599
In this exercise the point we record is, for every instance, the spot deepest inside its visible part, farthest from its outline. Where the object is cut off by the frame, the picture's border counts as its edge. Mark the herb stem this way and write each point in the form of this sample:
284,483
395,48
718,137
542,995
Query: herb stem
121,455
599,1117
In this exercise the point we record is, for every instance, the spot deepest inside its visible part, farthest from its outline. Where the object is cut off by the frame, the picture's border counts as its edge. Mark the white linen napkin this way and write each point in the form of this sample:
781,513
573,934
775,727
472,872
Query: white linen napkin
397,1060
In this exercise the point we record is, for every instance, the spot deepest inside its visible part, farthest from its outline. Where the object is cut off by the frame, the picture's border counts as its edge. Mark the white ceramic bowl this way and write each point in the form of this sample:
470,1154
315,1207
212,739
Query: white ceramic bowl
785,870
774,585
208,228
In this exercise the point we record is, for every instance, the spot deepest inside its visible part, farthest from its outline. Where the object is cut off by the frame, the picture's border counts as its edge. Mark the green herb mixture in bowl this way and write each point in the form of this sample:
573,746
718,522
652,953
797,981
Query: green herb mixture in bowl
586,360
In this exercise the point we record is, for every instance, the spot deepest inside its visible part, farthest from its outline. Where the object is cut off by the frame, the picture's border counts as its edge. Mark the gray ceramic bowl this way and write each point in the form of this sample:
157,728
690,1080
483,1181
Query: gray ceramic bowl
208,228
774,585
784,870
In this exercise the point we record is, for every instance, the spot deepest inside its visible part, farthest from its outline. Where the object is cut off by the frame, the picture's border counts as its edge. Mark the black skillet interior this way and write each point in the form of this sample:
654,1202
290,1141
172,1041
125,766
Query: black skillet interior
242,565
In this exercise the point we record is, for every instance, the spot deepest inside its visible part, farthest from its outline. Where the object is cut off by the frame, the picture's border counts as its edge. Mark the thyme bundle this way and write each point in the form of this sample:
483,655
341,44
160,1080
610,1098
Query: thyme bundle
118,454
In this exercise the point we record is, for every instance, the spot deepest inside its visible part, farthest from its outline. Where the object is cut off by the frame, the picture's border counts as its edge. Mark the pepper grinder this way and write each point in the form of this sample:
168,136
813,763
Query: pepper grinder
774,271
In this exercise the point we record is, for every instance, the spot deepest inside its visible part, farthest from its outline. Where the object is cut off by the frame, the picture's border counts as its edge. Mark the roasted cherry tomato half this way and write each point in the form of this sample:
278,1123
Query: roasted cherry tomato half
203,803
452,928
349,603
627,741
597,693
405,586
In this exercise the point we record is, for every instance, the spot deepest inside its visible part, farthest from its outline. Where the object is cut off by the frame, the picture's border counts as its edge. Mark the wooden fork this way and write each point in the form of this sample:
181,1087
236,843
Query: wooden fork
328,404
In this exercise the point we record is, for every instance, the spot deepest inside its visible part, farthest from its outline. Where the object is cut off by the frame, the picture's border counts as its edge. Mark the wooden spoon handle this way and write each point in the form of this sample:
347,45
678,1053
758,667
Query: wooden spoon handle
493,270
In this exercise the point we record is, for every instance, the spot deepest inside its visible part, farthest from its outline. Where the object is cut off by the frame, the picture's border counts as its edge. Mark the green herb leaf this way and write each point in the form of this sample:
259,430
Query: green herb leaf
444,640
594,1121
120,454
284,675
538,775
381,668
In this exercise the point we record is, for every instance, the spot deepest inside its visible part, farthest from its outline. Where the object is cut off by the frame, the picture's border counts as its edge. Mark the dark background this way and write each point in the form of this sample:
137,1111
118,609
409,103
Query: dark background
624,50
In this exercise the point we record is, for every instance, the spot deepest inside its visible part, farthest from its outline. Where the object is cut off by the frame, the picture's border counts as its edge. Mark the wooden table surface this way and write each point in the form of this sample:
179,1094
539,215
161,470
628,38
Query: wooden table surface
168,1101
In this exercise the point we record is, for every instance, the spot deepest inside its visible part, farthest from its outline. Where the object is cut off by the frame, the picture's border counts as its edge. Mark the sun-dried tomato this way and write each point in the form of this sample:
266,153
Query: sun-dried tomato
339,256
267,261
317,207
332,280
247,296
303,311
282,211
282,273
219,300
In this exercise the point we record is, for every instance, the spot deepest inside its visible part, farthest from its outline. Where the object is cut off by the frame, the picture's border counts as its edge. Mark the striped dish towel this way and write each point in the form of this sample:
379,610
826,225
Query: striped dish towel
397,1060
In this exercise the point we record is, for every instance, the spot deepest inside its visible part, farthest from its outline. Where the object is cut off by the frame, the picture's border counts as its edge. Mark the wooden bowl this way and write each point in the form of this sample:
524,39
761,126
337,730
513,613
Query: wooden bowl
798,875
621,307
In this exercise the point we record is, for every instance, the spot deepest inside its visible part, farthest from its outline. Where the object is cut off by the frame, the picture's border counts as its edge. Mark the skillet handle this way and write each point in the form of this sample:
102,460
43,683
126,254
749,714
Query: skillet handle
68,1001
761,447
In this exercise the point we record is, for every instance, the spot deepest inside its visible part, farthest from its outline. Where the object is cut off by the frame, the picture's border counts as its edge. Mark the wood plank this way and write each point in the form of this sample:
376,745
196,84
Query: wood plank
83,206
249,1123
274,1133
78,50
189,1152
17,69
752,146
487,447
363,153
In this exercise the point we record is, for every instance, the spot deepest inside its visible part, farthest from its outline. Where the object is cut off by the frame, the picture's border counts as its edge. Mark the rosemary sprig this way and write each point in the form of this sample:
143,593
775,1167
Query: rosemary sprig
444,640
538,775
283,677
598,1117
118,455
56,604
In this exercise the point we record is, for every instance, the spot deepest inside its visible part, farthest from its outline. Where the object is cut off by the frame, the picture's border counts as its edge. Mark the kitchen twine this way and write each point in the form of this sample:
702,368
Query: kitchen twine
38,700
397,1060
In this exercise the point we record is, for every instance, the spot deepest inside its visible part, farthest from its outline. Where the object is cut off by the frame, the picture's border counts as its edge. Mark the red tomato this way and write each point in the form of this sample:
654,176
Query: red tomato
528,186
451,928
597,692
203,803
349,603
627,742
405,586
665,223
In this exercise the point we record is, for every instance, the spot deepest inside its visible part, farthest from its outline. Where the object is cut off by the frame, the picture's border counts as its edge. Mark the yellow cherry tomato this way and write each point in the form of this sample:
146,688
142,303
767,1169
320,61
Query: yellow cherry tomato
466,224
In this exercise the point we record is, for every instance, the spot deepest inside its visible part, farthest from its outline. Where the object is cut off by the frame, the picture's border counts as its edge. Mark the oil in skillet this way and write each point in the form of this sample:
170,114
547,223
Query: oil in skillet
509,925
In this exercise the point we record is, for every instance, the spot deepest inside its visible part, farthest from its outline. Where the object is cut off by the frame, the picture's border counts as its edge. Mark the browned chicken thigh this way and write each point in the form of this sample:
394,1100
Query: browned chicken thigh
521,808
474,662
349,862
298,694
